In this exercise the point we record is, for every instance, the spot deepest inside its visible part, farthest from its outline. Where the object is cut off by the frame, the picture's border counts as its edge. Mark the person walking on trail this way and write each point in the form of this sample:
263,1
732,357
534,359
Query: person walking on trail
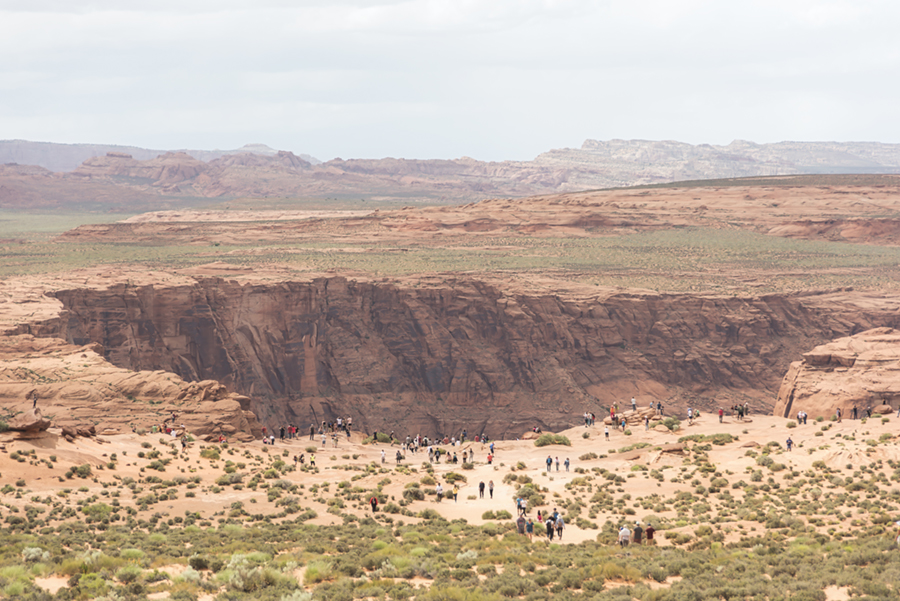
455,492
529,529
721,414
481,489
520,525
550,531
557,464
399,457
559,527
439,492
567,464
312,431
549,462
382,455
374,503
647,423
648,533
638,533
606,431
789,443
312,460
491,488
624,536
282,433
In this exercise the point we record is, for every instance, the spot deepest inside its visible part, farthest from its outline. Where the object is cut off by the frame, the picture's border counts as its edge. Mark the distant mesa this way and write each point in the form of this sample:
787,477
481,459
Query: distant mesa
132,179
67,157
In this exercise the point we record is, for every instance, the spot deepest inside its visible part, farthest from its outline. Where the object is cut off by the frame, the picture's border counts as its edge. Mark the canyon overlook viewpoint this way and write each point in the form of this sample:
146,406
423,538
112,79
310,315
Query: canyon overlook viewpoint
496,316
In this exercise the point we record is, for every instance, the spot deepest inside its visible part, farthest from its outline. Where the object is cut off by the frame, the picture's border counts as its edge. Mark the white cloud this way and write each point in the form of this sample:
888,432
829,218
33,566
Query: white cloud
440,78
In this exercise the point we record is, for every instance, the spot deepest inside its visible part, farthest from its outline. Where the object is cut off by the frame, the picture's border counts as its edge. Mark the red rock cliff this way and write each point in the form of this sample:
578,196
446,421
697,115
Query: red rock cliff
463,354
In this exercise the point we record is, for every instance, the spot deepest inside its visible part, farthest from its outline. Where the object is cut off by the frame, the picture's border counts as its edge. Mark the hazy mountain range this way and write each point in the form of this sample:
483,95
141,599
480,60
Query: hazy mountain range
41,174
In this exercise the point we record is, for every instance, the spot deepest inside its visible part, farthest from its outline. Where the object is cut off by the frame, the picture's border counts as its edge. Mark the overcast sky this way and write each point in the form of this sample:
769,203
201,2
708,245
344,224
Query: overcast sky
490,79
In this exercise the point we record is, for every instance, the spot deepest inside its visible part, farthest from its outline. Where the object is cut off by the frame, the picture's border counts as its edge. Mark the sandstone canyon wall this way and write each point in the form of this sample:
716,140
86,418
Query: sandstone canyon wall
465,353
861,371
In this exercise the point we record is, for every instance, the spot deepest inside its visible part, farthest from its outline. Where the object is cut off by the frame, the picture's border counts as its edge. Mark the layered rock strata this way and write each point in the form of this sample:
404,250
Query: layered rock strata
861,371
454,354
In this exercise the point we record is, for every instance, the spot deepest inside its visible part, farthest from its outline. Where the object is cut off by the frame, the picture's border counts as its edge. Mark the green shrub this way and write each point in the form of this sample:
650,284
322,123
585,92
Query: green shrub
211,453
550,439
128,574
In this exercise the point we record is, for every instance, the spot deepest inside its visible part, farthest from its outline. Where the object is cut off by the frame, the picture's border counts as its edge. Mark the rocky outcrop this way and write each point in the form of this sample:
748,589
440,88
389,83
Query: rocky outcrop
29,421
85,394
861,371
453,354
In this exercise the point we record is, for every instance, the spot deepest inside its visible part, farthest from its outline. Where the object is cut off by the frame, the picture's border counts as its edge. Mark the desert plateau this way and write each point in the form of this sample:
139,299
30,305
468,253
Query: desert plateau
715,358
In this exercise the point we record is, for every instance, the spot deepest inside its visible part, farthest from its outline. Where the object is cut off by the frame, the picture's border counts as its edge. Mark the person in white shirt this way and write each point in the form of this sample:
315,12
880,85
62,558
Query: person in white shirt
624,536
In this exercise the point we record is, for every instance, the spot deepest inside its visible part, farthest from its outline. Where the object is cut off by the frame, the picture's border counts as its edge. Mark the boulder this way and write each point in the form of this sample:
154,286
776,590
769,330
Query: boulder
883,410
30,421
86,430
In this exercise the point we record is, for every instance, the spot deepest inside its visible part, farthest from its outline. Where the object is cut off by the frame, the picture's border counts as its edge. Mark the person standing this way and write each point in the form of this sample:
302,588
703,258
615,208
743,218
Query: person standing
633,404
481,489
455,492
606,432
520,525
491,488
374,503
559,527
382,456
624,536
557,464
649,534
789,443
529,529
567,464
638,533
439,492
549,525
549,462
721,414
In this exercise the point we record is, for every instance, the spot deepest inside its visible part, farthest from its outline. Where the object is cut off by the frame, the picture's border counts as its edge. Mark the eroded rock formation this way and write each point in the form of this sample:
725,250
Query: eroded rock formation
84,394
861,371
460,353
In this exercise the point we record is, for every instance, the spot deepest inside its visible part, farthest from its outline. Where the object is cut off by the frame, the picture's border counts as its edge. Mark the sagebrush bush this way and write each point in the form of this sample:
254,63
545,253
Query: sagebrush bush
551,439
